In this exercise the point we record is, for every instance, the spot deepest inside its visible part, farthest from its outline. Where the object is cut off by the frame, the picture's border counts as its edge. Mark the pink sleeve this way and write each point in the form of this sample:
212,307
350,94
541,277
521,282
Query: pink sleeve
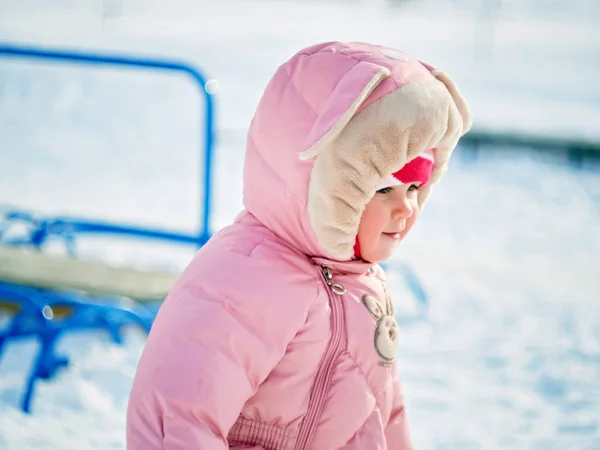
204,358
397,434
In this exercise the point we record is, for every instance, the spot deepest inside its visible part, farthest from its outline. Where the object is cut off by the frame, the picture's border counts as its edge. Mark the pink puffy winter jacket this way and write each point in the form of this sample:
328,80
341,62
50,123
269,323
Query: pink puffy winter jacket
273,337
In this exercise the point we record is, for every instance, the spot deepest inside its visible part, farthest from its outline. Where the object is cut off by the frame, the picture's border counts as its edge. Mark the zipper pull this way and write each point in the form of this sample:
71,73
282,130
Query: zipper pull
335,287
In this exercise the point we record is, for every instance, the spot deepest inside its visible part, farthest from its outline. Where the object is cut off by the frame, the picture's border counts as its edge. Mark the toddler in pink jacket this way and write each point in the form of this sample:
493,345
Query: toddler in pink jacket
280,334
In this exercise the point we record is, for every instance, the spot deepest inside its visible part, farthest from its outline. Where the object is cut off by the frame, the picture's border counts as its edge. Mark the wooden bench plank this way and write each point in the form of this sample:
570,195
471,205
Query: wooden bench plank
38,269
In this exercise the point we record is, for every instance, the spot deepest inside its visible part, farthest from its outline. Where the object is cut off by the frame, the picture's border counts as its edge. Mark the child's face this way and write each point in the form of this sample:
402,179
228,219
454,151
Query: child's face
387,219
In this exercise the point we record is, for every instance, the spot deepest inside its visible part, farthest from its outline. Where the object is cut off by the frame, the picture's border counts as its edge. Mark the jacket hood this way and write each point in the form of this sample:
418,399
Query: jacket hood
334,121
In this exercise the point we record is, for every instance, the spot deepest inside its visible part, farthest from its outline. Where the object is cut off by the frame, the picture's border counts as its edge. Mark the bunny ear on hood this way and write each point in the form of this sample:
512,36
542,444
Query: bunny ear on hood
334,121
459,100
342,105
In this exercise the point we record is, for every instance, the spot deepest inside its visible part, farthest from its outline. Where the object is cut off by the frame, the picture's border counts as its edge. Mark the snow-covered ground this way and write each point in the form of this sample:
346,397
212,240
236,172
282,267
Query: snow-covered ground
508,353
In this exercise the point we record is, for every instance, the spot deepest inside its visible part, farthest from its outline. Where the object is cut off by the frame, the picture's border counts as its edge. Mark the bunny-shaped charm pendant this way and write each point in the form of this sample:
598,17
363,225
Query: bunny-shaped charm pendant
386,329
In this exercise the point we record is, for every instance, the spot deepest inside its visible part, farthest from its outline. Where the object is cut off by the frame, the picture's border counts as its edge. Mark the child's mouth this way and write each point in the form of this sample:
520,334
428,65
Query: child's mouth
393,235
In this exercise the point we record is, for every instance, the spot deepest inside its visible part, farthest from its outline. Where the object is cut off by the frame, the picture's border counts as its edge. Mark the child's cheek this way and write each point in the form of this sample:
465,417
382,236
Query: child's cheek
410,223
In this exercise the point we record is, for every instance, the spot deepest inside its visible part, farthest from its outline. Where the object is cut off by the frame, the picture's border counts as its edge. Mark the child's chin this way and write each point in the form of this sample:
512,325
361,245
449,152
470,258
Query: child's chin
381,256
384,251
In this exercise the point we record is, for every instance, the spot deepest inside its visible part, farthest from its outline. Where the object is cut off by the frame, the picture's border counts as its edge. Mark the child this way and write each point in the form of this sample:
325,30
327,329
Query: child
280,334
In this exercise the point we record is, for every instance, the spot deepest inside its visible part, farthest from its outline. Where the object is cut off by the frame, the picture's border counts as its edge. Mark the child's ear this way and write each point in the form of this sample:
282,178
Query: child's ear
459,100
348,96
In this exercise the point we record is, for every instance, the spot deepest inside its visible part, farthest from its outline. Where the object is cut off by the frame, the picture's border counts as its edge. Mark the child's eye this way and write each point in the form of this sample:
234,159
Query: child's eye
385,190
413,187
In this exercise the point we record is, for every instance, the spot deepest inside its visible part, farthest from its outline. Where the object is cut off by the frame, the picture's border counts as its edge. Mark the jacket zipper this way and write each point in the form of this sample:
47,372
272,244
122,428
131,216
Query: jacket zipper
325,372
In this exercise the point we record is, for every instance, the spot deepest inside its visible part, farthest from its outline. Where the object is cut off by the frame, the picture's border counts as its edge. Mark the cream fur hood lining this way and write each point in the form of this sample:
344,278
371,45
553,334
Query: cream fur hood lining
366,147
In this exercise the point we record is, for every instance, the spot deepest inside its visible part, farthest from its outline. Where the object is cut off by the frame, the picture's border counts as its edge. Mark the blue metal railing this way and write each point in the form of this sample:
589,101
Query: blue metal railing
35,319
41,229
105,59
35,306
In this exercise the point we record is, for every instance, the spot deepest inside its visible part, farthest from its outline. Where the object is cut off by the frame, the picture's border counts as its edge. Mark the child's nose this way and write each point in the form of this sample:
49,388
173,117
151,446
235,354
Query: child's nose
403,209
